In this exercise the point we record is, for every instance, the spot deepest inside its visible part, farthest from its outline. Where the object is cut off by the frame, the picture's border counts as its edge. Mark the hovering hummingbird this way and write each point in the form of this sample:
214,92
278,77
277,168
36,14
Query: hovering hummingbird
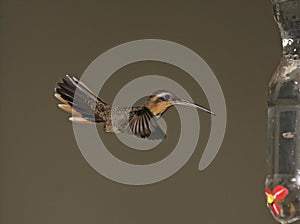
87,108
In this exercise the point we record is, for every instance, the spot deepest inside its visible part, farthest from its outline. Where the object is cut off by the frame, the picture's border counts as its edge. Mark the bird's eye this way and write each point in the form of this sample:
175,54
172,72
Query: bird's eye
167,97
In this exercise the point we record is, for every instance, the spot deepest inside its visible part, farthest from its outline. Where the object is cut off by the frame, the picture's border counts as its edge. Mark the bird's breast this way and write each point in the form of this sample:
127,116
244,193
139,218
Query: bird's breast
118,119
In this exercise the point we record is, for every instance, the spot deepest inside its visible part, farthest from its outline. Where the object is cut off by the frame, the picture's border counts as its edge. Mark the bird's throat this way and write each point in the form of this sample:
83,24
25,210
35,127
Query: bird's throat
158,109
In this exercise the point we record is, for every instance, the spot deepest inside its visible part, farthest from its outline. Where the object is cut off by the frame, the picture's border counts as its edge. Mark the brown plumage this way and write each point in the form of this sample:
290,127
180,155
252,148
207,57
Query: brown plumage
86,108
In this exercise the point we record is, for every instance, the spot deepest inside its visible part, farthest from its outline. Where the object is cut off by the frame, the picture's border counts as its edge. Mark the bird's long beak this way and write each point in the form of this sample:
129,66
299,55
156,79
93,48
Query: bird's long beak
184,102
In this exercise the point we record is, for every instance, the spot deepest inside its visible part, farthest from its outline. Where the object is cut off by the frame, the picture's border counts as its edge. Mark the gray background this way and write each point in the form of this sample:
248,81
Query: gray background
43,176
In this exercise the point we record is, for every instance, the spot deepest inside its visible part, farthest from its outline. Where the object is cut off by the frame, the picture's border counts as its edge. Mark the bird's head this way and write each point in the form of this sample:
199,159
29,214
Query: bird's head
161,100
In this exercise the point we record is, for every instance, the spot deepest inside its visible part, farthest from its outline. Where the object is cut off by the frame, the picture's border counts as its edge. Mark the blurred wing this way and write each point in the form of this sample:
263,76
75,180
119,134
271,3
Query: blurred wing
142,123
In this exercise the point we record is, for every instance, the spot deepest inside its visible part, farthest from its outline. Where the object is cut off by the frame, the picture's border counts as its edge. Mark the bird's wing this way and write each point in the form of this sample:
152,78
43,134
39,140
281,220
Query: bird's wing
142,123
79,100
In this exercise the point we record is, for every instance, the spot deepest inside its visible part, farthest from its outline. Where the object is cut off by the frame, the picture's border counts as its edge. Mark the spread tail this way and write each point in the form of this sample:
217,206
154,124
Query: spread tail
80,101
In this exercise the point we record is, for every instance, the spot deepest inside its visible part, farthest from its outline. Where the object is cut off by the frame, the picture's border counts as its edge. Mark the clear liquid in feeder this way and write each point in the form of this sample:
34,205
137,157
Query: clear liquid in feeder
283,179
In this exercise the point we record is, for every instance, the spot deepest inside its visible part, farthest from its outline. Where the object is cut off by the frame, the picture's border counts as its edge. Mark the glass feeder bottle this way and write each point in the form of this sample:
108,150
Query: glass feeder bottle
283,177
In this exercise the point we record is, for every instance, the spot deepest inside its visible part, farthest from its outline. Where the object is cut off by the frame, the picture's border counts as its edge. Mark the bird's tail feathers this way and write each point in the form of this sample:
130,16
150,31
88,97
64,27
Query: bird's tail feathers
79,100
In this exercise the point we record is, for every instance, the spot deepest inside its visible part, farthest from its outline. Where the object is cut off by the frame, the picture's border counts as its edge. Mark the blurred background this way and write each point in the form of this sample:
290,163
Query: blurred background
43,176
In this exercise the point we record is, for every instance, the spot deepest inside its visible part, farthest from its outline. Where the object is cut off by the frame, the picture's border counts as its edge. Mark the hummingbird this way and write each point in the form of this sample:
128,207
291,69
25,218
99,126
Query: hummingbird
86,108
